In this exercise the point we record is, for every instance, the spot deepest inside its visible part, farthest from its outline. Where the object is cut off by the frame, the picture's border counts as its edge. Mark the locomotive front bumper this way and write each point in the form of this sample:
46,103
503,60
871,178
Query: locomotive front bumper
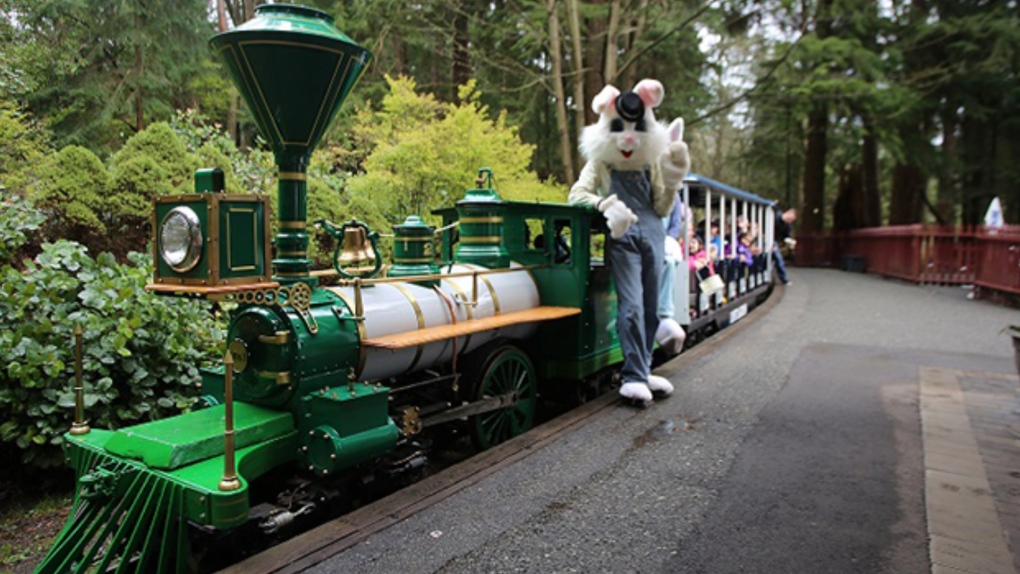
183,458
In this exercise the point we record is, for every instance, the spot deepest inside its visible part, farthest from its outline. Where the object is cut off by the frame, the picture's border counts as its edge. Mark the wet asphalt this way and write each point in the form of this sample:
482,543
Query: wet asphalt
793,447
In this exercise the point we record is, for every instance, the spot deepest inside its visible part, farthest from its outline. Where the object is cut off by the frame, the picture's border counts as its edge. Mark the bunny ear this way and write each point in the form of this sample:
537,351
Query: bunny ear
651,92
676,130
605,99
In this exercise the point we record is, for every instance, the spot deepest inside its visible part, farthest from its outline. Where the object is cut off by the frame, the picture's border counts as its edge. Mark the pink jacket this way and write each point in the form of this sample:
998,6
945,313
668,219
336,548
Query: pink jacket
700,257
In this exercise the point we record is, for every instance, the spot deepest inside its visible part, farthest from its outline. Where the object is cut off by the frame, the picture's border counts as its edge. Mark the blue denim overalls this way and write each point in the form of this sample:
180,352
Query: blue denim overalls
635,264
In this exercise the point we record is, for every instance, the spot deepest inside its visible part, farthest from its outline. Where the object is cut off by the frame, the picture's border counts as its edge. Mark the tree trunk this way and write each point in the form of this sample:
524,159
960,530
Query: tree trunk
221,19
816,151
872,193
139,71
848,210
556,54
609,71
221,15
630,75
813,209
580,103
244,136
594,81
461,53
947,180
905,206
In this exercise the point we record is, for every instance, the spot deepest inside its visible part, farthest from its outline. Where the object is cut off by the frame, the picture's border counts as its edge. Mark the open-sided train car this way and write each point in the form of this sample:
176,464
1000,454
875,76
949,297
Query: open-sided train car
744,286
332,384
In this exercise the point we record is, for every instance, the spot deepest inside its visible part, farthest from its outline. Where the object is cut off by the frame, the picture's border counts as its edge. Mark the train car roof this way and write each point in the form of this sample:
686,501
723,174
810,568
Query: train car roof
695,182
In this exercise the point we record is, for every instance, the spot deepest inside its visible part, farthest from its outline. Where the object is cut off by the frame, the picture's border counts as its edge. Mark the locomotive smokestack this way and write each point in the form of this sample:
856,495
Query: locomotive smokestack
294,69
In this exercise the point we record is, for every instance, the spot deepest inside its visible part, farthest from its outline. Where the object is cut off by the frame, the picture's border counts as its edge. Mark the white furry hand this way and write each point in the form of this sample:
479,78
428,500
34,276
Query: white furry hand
679,155
618,216
672,249
676,161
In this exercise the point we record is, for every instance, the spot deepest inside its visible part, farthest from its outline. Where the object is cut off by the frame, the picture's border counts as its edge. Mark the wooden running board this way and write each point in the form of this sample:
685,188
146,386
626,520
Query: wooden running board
444,332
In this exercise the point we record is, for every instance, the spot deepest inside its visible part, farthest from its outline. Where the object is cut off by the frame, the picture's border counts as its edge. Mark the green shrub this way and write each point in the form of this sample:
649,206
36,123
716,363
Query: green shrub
141,352
17,219
212,146
159,143
152,163
23,143
72,187
425,154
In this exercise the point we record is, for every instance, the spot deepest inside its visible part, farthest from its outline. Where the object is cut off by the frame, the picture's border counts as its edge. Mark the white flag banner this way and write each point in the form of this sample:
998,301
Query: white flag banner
993,217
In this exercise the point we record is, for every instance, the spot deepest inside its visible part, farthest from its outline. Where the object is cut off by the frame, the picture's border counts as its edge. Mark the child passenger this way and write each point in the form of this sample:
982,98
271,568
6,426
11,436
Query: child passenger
699,261
744,251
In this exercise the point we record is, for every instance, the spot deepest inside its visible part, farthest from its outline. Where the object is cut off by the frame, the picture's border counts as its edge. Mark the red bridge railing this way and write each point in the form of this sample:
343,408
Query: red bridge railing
945,255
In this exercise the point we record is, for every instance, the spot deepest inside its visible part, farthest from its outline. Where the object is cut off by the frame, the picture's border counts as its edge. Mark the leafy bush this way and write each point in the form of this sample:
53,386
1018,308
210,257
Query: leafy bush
17,220
425,154
214,148
153,162
72,187
141,353
22,145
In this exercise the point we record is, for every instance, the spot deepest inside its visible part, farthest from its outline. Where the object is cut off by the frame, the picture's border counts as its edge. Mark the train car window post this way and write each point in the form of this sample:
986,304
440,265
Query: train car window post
680,288
758,241
734,286
770,243
708,222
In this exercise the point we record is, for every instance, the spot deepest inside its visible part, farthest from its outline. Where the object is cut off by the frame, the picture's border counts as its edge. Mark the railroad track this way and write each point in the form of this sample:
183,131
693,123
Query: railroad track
319,544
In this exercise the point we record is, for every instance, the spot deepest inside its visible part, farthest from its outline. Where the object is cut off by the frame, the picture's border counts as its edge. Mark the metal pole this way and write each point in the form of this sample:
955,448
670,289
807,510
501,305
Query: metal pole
230,480
79,427
359,303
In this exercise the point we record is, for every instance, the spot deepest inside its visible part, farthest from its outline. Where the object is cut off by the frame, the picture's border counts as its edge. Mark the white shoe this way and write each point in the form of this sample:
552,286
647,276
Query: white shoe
636,392
670,336
660,385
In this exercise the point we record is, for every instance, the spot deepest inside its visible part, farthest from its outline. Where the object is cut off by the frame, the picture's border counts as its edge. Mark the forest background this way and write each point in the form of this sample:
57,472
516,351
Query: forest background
859,113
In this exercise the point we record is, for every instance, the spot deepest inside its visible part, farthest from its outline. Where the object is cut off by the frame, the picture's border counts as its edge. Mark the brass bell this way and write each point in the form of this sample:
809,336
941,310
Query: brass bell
356,250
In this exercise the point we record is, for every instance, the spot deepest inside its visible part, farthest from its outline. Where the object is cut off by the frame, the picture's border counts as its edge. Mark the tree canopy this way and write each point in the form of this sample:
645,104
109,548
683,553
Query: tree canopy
861,114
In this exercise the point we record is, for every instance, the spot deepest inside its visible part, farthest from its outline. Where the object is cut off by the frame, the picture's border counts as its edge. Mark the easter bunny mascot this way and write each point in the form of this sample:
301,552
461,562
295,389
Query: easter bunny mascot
634,167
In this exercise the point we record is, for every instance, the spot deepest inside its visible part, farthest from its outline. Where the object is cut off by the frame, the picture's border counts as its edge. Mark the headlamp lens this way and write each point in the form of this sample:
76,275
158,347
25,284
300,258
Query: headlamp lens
180,239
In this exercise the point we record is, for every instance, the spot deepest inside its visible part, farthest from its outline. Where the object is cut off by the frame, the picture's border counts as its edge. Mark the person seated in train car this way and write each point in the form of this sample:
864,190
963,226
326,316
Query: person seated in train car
715,245
743,249
755,232
713,253
561,244
705,270
698,259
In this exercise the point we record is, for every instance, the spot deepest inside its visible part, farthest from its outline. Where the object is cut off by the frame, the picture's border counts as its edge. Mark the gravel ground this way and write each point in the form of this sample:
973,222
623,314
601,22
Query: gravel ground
632,488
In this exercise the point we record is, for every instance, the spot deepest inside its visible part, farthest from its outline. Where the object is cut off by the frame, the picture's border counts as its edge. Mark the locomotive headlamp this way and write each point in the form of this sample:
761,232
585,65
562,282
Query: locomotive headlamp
205,241
180,239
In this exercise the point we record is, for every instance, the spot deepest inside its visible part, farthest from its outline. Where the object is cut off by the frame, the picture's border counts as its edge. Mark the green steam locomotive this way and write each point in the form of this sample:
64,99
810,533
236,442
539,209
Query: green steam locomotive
344,374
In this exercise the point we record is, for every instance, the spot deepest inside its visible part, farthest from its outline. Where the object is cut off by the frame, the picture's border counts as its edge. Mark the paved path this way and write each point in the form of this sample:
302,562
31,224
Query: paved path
861,426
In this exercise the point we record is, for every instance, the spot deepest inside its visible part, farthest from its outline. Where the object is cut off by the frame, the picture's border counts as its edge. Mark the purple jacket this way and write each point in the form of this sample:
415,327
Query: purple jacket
743,253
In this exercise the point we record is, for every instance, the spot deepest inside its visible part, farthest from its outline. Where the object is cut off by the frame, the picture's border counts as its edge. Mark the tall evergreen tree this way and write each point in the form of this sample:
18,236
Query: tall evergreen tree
102,69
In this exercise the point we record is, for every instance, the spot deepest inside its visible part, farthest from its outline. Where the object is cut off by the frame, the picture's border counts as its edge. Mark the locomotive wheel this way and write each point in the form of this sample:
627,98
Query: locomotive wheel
507,370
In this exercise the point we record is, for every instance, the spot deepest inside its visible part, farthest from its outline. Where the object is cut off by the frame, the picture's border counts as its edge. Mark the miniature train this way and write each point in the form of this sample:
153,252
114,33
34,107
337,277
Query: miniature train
335,380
